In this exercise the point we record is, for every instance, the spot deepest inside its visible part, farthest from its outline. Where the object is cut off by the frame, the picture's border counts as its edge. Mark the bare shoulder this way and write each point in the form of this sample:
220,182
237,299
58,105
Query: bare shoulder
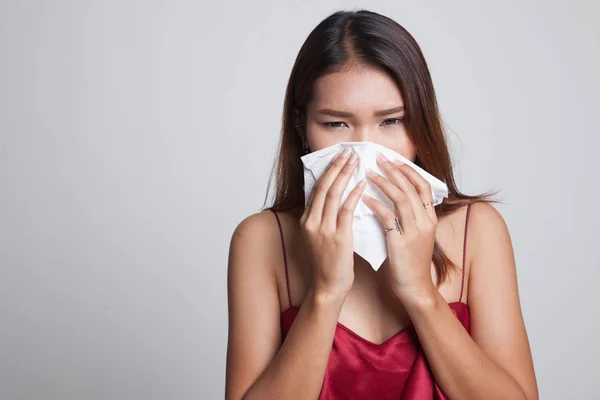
487,230
250,271
460,237
484,213
253,302
497,324
260,223
254,237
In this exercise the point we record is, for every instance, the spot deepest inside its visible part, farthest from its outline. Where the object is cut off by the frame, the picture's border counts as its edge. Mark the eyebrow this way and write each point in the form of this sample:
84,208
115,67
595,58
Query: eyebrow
344,114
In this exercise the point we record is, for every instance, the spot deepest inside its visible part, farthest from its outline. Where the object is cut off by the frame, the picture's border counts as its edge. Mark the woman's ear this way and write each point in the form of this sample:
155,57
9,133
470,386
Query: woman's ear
300,126
299,123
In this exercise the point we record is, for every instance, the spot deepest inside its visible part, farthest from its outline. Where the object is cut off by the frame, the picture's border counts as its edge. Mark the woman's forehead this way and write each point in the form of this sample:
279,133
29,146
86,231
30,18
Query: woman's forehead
354,90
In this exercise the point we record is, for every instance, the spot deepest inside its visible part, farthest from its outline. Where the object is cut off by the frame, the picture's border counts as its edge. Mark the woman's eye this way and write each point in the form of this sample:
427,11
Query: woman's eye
389,121
332,124
394,121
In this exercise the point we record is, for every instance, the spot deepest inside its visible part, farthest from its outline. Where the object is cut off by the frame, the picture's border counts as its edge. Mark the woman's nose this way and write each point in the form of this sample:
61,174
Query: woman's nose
362,135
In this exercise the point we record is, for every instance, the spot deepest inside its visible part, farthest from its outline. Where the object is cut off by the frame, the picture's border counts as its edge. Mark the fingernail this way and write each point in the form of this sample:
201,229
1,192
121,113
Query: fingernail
382,158
372,173
345,153
361,183
352,159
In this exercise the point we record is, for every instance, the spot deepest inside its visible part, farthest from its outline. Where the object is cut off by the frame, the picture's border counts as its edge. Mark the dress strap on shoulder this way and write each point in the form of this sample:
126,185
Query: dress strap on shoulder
287,282
462,285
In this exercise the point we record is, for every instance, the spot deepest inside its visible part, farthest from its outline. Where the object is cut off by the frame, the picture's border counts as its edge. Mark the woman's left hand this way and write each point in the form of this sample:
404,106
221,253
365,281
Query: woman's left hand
410,252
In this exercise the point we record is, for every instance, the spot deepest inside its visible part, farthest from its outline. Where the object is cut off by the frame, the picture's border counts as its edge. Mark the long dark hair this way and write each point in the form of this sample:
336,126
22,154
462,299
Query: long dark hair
363,37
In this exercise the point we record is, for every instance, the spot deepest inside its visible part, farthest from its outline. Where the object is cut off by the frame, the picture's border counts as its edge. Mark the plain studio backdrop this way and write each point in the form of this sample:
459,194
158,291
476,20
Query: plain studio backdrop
136,135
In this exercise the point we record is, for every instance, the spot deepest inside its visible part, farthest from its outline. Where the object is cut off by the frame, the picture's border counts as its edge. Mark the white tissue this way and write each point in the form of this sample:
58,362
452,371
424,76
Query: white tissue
369,236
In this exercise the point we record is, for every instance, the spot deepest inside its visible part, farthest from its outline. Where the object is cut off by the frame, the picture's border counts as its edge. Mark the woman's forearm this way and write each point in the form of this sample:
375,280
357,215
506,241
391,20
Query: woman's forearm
460,367
298,369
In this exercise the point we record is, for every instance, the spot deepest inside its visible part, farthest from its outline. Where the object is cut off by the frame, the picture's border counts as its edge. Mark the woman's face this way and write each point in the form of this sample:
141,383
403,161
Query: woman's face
358,106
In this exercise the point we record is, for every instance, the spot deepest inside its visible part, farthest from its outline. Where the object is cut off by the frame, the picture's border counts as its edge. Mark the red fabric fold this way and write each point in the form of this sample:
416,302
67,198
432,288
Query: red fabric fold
396,369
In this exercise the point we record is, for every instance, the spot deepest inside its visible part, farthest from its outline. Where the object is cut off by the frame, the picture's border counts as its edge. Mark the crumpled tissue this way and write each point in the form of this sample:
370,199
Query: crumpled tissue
368,232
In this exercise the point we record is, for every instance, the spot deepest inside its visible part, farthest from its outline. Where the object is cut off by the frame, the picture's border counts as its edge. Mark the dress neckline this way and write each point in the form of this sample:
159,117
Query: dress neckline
408,328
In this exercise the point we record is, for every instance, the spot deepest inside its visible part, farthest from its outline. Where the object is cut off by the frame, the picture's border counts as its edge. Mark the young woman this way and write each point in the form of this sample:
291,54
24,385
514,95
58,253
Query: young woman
310,319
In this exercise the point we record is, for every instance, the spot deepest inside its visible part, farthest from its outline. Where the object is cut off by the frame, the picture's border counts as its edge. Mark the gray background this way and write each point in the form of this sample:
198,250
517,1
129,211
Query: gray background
136,135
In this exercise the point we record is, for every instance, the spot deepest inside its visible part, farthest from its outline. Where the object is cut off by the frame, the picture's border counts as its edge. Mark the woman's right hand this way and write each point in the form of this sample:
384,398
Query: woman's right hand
327,228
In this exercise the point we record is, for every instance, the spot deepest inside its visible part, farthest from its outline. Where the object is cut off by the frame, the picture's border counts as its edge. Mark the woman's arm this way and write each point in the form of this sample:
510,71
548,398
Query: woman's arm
495,361
259,366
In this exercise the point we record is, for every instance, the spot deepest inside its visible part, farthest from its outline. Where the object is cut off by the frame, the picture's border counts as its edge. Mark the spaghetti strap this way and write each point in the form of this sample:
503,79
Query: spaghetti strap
464,252
287,282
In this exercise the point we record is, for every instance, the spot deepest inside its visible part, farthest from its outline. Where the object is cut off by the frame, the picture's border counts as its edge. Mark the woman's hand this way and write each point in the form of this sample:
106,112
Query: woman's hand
327,229
410,252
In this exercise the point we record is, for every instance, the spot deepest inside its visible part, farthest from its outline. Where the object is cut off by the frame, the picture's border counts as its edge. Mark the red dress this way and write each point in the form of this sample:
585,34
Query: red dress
395,369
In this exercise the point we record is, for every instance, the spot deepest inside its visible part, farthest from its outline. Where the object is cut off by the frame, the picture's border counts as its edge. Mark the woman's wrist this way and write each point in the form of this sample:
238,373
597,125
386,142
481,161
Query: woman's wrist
420,298
325,298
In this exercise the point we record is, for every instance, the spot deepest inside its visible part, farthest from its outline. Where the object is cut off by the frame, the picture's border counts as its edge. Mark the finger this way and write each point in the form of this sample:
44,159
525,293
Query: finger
346,215
306,212
400,200
400,180
385,215
333,198
310,199
324,183
423,188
